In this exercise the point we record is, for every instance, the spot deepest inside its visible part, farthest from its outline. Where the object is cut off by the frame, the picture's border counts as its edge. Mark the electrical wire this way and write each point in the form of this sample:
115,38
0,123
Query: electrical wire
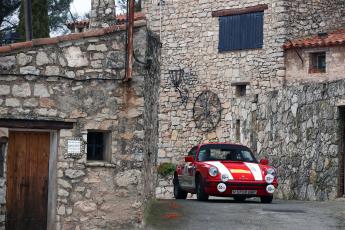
62,77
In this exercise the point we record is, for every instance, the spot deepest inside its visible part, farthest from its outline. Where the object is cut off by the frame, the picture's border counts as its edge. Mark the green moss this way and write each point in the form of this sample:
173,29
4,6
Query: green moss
166,169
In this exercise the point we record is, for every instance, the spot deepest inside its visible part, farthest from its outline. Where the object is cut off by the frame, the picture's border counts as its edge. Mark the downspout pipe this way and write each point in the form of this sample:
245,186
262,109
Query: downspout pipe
28,19
129,61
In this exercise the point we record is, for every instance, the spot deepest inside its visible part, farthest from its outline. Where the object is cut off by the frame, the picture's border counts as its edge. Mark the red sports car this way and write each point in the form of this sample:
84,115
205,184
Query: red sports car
223,169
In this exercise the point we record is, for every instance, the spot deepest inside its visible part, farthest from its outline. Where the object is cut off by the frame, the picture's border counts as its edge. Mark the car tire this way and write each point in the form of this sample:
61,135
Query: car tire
200,191
239,198
266,199
179,193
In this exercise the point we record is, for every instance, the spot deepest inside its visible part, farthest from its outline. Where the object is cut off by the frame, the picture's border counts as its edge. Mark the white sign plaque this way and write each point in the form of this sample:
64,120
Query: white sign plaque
74,146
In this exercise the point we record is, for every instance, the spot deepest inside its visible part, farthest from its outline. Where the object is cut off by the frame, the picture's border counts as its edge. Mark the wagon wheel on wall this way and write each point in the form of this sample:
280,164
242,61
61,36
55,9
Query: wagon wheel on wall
207,110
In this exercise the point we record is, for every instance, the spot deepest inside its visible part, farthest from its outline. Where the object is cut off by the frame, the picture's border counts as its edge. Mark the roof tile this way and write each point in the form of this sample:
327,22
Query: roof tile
331,39
69,37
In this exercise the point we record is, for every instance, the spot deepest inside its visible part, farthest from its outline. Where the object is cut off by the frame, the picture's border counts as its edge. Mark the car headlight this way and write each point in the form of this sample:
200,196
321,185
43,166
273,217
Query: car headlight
213,171
269,178
271,171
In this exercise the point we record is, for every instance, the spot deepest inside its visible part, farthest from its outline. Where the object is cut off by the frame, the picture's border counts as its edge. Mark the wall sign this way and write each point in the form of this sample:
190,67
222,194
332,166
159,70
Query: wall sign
75,148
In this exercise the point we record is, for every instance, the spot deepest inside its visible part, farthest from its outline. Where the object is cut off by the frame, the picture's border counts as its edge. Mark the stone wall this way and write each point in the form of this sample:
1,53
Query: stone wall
189,39
189,36
308,17
151,115
81,81
297,128
102,13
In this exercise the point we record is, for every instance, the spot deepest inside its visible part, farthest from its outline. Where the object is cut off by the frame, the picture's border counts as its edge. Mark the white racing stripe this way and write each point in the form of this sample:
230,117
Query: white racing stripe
255,169
222,169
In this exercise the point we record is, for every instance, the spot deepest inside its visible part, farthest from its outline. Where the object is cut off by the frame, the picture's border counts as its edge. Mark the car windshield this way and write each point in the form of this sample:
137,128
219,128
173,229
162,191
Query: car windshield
226,153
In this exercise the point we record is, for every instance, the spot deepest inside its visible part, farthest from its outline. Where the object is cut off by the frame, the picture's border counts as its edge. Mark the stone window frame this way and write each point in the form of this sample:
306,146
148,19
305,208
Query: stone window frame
107,146
240,88
314,62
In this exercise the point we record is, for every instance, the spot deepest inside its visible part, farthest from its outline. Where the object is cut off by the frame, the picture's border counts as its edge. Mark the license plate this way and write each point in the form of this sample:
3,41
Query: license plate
244,192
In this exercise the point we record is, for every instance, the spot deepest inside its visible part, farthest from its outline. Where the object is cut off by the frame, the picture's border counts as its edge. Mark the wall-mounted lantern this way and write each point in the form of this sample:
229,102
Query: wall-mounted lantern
177,78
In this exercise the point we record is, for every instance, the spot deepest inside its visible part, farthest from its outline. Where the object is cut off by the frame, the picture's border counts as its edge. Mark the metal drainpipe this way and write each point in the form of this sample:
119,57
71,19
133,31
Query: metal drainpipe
28,19
129,61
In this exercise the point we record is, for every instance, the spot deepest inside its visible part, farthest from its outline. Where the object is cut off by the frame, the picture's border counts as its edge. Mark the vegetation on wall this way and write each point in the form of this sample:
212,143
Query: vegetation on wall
166,169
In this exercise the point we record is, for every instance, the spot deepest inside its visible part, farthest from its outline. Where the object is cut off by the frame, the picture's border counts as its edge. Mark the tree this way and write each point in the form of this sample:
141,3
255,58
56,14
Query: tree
7,8
59,12
122,4
47,15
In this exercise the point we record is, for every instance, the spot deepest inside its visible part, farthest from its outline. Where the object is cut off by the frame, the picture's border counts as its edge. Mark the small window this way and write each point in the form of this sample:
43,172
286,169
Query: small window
317,62
238,32
3,142
98,146
241,90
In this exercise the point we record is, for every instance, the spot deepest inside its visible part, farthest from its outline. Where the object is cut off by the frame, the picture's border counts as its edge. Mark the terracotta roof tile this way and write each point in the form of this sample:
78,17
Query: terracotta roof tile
321,40
78,24
21,45
69,37
45,41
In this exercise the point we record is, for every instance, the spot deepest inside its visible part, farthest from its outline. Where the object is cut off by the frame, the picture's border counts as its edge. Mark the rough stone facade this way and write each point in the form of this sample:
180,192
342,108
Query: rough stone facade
190,36
82,81
308,17
297,128
102,13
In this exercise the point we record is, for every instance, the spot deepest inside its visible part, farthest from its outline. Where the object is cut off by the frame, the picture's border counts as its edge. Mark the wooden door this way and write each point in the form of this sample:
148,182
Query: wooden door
27,180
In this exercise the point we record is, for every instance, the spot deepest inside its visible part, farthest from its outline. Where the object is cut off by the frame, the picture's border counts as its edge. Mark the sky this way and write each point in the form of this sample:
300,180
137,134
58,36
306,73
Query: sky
81,6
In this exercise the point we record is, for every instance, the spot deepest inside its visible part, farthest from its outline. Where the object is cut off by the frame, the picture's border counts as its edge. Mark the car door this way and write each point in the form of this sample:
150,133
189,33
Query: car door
190,169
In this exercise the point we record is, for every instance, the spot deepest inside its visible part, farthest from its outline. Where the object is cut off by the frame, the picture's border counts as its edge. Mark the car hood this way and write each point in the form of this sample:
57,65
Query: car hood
239,170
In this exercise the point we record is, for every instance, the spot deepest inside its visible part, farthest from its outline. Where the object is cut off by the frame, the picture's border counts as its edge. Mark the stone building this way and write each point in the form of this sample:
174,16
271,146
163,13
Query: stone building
316,59
83,144
231,54
77,141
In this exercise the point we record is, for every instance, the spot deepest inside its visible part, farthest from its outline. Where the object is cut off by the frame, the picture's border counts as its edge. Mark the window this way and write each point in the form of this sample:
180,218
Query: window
192,152
241,90
98,146
3,142
238,32
317,62
225,152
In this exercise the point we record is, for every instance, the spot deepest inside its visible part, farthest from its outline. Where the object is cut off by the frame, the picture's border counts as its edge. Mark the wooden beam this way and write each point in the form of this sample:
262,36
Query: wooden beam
240,83
35,124
238,11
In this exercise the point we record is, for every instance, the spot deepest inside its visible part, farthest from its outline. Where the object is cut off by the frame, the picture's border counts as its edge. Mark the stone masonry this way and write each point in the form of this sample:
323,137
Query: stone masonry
79,78
190,35
102,13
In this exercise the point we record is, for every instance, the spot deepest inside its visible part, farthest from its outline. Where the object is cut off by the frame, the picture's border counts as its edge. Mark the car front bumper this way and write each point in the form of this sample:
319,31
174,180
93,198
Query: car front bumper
254,188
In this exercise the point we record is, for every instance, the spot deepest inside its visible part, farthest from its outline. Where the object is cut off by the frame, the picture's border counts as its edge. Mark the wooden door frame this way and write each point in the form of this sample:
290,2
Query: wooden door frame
52,172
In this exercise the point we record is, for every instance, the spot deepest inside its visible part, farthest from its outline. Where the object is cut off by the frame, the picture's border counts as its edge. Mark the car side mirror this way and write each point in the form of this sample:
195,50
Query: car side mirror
264,161
189,159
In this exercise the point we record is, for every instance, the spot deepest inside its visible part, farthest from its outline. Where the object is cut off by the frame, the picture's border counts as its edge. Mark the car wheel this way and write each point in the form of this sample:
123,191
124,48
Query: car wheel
200,191
178,192
266,199
239,198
